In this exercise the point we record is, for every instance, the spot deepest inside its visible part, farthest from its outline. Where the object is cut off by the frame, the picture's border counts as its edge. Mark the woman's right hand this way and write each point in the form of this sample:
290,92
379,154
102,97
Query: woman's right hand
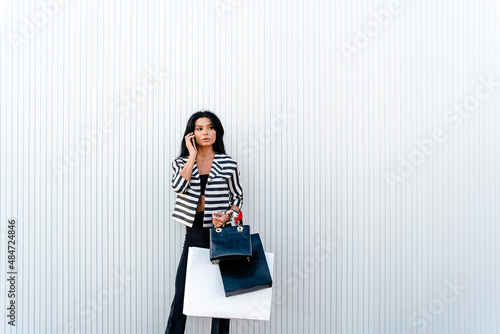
191,144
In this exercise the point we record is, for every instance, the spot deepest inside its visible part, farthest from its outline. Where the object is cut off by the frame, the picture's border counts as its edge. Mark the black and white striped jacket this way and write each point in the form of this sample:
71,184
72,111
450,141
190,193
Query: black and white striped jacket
222,190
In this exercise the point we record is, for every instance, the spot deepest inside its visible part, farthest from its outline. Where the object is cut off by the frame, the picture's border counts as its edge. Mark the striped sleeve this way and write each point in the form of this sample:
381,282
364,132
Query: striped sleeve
235,188
179,183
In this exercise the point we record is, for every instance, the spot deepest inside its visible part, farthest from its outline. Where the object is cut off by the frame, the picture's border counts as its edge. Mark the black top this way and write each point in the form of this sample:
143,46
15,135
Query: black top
203,179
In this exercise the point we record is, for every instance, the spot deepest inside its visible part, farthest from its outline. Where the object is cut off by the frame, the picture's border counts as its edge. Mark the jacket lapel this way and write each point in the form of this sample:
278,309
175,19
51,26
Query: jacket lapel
195,173
214,171
216,167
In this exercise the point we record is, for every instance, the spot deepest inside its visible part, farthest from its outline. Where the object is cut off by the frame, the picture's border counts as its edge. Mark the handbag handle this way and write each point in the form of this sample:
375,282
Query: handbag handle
239,224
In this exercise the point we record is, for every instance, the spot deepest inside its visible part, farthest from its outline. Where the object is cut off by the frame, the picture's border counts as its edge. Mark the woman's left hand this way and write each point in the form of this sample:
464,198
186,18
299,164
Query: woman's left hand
219,219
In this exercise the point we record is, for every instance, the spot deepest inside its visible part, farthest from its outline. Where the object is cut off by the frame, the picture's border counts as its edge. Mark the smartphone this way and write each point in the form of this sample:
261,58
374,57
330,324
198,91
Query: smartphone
194,142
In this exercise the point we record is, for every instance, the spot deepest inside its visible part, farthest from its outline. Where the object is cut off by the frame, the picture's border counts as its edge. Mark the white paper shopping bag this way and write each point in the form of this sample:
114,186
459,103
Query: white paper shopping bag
204,294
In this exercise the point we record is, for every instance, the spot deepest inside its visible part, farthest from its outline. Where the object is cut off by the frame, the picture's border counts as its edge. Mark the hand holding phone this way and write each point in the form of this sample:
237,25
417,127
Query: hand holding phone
191,144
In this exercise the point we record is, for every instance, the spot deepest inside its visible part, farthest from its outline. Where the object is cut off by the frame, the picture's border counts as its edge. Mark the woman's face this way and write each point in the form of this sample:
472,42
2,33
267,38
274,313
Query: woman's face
204,129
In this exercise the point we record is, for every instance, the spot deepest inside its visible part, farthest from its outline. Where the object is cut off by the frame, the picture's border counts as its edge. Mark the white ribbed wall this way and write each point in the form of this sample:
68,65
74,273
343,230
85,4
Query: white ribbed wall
318,134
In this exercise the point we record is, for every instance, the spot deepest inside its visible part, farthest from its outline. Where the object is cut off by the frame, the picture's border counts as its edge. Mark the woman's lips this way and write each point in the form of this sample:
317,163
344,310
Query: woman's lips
206,139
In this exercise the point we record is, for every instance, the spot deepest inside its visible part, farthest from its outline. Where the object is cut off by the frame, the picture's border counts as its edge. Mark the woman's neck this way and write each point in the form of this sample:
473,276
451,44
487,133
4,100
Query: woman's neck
205,153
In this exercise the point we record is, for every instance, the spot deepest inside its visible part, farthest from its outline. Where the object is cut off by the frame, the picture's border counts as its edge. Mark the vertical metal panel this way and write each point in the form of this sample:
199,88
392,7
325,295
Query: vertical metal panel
367,148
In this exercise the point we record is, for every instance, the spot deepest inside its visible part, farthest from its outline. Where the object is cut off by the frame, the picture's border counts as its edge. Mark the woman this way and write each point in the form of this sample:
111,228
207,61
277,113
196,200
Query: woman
209,193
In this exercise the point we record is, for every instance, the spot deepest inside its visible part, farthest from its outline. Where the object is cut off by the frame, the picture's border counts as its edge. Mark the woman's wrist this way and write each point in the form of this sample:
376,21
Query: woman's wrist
232,214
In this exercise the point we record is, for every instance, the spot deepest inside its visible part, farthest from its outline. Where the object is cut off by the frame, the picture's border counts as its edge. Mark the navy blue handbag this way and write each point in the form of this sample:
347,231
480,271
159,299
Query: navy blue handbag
230,243
246,274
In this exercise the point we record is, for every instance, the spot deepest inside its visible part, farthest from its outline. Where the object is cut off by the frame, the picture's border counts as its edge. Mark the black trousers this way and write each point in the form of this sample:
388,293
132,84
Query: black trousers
197,236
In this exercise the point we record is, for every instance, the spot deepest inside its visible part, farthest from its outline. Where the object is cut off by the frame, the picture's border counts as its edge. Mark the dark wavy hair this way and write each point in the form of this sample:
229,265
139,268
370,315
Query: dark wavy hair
218,146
